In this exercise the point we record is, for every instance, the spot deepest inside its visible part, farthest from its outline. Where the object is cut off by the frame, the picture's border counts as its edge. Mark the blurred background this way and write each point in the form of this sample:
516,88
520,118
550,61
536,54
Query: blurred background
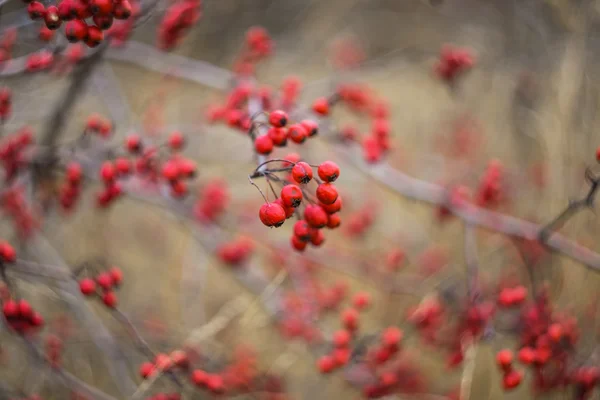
531,102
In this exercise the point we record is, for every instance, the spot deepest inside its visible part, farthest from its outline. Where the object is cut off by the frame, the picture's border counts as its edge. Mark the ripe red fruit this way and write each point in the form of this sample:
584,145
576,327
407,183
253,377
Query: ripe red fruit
103,22
215,383
291,196
317,237
302,172
302,230
146,369
94,36
341,338
133,143
187,168
392,337
7,252
25,310
51,18
76,30
104,280
504,358
361,300
555,332
36,10
170,170
298,243
321,106
36,319
334,207
289,211
110,299
327,193
176,140
116,275
312,128
297,133
512,379
122,9
278,118
263,144
199,377
341,356
333,221
278,136
326,364
87,286
101,7
527,355
10,309
107,172
328,171
272,214
315,216
74,173
123,166
350,319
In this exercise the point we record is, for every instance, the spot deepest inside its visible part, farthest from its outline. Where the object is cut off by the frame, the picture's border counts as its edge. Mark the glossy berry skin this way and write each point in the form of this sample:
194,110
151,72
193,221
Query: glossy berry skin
333,221
334,207
328,171
122,9
36,10
94,36
87,286
199,377
321,106
51,18
312,128
263,145
76,30
317,237
272,214
103,22
302,172
298,243
315,216
291,196
341,338
302,230
297,133
327,193
146,369
278,118
133,143
7,253
279,136
101,7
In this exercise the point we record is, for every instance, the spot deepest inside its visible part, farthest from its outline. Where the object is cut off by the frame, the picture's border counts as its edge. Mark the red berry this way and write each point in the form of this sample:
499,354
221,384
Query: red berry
36,319
341,338
291,195
341,356
361,300
334,207
101,7
51,18
556,332
123,166
278,118
176,140
25,310
317,237
10,309
263,144
94,36
215,383
392,337
321,106
289,211
180,358
170,170
7,252
298,243
133,143
272,214
333,221
199,377
504,358
302,230
302,172
327,193
315,216
512,379
328,171
107,172
103,22
297,133
122,9
36,10
326,364
74,173
312,128
350,319
76,30
116,275
278,136
110,299
146,369
187,168
527,355
104,280
87,286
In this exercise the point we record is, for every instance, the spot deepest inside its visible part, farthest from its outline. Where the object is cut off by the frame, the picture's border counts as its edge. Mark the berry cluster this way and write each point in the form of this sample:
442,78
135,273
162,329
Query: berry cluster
13,152
71,189
258,46
21,317
212,201
98,125
452,62
75,13
178,19
5,103
236,252
278,134
512,377
165,362
40,61
103,285
490,193
14,203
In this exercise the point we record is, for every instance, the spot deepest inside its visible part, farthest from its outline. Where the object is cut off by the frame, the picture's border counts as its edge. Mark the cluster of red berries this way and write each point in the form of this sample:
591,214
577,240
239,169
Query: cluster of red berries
98,125
103,285
121,30
360,221
13,152
5,103
258,45
278,134
512,377
40,61
54,348
208,381
427,317
452,62
71,189
21,317
236,252
75,12
15,204
212,201
178,19
165,362
7,42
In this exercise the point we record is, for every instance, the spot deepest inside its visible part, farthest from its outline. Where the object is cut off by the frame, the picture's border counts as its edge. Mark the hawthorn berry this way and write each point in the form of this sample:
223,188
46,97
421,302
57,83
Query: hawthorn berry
176,140
7,252
334,207
297,133
87,286
36,10
101,7
146,369
109,299
291,196
317,237
122,9
311,127
107,172
327,193
315,216
263,144
527,355
326,364
170,170
123,166
392,337
10,309
341,338
103,22
512,379
272,214
349,319
302,172
278,118
51,18
361,300
321,106
289,211
76,30
104,280
133,143
25,309
187,168
215,383
341,356
278,136
94,36
116,275
328,171
199,377
298,243
333,221
504,358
